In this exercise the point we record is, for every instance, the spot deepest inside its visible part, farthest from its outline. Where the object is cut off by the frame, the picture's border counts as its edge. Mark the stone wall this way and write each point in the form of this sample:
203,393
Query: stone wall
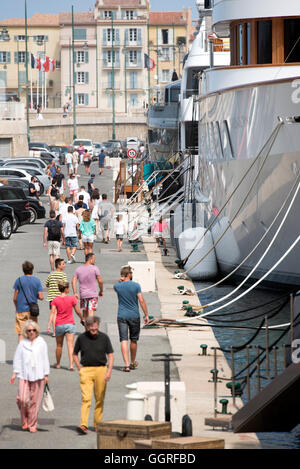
16,132
60,130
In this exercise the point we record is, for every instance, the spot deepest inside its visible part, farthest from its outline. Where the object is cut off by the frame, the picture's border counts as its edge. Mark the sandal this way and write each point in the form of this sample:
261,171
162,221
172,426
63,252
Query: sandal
82,430
126,369
134,365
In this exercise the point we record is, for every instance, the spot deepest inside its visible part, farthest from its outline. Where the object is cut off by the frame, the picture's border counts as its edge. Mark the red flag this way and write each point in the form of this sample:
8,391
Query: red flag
46,65
38,63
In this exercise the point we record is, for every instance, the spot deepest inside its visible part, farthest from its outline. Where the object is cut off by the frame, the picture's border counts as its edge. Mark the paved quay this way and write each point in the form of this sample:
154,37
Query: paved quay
57,430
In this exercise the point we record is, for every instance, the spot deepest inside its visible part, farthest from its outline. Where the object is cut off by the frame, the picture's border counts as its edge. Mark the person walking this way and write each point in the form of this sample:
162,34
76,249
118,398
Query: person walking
101,162
53,194
69,161
75,160
27,289
53,233
81,152
31,367
62,314
70,225
61,180
159,231
86,196
73,186
106,214
87,160
129,298
56,277
87,229
120,232
32,187
90,280
79,211
95,368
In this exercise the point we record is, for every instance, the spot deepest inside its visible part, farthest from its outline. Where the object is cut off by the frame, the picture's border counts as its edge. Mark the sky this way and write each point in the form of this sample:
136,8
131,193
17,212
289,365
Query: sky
15,8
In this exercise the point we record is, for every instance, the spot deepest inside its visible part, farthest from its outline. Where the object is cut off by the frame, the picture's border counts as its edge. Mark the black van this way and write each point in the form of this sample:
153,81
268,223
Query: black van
16,198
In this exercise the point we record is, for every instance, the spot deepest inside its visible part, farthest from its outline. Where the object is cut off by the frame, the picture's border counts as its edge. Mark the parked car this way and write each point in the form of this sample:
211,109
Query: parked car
16,199
88,145
6,221
42,177
97,149
41,163
39,152
60,151
14,172
20,183
33,145
15,163
113,148
36,207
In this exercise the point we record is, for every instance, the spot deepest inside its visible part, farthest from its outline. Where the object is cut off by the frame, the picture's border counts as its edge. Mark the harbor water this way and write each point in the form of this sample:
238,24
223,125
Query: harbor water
248,307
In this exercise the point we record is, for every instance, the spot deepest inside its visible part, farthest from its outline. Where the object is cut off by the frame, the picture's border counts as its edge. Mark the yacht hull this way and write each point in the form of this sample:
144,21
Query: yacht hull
234,125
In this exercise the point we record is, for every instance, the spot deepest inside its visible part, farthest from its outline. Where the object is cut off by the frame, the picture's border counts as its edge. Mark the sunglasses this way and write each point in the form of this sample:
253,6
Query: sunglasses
31,330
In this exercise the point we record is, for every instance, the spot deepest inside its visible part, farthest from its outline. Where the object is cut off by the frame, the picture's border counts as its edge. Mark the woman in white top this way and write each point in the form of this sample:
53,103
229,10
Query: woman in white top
120,231
73,186
75,160
31,367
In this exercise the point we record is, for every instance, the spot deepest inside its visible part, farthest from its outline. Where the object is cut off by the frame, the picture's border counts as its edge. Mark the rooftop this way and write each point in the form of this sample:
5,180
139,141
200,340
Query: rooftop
79,18
168,17
39,19
121,3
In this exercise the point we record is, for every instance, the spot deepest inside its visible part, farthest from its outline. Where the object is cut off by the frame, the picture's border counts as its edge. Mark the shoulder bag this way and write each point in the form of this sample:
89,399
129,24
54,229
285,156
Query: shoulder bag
47,403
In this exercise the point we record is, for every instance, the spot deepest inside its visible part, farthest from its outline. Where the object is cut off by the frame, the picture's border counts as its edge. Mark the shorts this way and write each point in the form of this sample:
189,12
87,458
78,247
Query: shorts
105,224
101,165
69,166
119,236
65,329
89,304
131,325
88,239
87,163
71,242
157,234
21,318
54,248
73,192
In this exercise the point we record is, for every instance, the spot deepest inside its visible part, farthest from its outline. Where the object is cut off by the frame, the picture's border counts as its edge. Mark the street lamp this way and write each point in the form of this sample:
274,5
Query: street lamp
113,78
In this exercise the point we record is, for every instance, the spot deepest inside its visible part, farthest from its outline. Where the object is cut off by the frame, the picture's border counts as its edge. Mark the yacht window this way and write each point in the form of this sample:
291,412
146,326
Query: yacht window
241,44
264,42
292,40
175,92
248,44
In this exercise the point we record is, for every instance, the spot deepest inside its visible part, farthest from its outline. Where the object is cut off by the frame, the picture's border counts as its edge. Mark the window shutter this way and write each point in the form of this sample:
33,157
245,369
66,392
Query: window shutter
16,57
86,99
171,53
104,37
139,58
127,58
109,80
139,36
76,99
135,14
171,36
75,57
123,14
8,57
86,78
118,58
86,57
46,38
117,37
3,81
126,36
15,38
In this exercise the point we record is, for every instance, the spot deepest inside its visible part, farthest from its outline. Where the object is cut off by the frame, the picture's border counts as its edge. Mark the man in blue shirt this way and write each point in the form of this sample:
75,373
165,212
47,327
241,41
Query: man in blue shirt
28,289
130,297
101,162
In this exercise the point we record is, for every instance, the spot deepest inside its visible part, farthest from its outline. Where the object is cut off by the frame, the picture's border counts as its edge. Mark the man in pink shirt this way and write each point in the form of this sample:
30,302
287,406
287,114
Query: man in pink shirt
89,278
159,230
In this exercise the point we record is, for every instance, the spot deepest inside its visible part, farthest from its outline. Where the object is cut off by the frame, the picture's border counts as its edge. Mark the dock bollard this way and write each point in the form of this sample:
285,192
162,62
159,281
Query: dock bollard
165,251
135,404
214,376
224,403
180,288
237,388
179,263
135,248
204,350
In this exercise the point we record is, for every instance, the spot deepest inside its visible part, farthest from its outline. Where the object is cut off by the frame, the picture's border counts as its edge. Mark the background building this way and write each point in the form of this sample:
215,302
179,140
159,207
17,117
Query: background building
85,58
123,40
169,38
43,40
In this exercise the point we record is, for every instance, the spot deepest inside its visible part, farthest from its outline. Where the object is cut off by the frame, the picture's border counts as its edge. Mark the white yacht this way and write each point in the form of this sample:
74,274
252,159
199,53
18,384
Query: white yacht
249,139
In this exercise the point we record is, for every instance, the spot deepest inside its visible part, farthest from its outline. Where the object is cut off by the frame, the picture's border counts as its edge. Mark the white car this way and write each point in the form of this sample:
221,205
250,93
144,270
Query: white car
43,179
15,172
87,144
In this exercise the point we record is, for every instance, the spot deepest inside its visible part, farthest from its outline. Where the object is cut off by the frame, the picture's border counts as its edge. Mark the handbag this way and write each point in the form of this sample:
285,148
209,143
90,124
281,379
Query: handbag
47,403
33,307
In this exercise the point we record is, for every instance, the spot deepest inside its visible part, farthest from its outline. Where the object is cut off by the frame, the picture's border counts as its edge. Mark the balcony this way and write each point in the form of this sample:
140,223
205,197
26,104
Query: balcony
108,64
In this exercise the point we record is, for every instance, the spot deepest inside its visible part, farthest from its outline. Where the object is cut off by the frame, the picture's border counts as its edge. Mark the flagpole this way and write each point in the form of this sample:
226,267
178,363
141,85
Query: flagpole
26,64
43,79
148,60
37,87
31,97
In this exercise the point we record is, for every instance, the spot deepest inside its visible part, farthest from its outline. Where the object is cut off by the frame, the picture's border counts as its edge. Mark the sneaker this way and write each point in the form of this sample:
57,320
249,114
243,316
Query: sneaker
70,261
73,258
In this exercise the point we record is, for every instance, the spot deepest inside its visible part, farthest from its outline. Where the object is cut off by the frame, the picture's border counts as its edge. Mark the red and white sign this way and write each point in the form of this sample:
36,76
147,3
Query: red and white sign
131,153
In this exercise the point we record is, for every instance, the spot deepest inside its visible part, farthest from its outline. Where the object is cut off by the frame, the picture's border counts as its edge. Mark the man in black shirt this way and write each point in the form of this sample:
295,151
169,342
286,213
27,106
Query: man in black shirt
53,233
61,181
96,350
32,188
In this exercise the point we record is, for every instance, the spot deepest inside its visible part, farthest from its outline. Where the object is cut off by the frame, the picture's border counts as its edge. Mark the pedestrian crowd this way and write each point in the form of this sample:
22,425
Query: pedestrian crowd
74,222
